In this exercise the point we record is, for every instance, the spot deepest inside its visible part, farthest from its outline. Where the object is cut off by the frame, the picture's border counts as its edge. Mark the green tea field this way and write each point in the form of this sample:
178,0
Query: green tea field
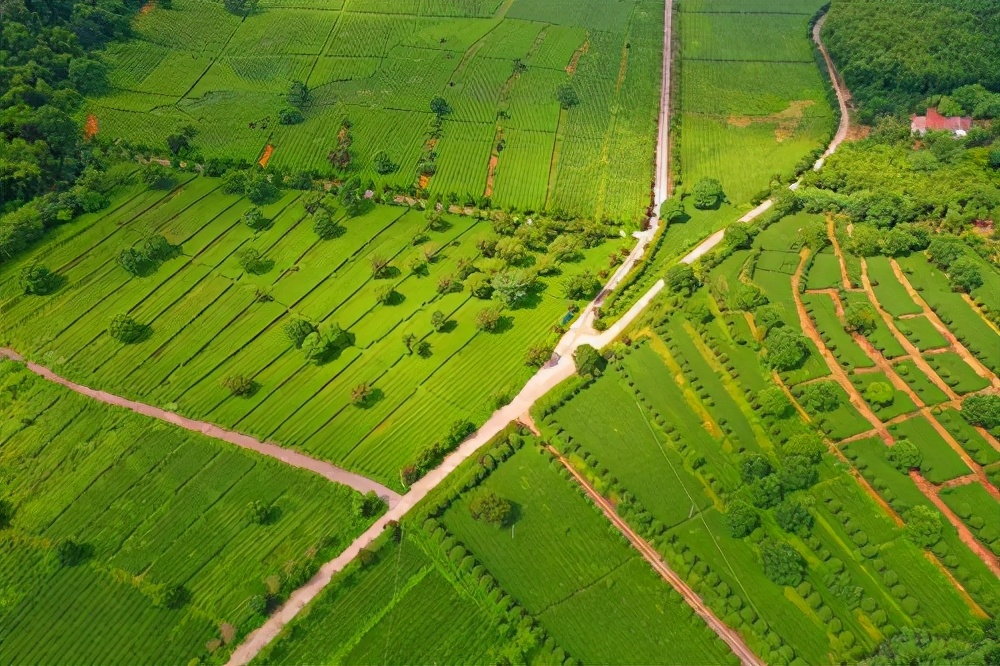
127,542
403,290
498,65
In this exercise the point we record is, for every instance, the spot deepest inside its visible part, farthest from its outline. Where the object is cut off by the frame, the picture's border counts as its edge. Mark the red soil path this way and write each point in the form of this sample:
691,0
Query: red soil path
729,636
266,157
293,458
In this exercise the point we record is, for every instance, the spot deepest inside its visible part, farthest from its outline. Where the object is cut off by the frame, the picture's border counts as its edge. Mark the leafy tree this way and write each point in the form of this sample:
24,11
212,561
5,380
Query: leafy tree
409,339
880,393
994,159
821,397
379,266
943,252
707,193
538,356
738,236
904,455
351,196
773,402
865,241
741,519
439,320
754,466
769,317
765,492
254,218
70,553
298,329
982,409
36,280
581,286
565,248
240,385
785,349
510,287
672,210
747,297
383,163
367,505
488,320
588,361
253,261
361,395
511,250
157,176
6,514
325,226
259,513
898,242
860,318
439,106
178,142
490,508
782,563
965,275
126,330
479,285
321,347
797,473
923,525
814,236
806,444
567,96
290,115
299,95
793,517
681,279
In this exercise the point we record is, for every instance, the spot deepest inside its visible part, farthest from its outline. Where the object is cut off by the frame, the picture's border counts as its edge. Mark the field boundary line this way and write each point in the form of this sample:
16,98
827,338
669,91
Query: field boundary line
293,458
727,635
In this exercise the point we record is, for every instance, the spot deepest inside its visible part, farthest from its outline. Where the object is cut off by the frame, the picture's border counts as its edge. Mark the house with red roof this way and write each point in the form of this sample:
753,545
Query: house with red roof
935,122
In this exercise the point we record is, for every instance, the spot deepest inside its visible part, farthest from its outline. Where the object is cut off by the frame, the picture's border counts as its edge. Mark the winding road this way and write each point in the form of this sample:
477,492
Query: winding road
293,458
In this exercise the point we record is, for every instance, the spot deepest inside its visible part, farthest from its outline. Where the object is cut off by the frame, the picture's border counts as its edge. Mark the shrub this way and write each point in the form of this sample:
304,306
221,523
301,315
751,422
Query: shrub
490,508
880,393
782,563
707,193
125,329
240,385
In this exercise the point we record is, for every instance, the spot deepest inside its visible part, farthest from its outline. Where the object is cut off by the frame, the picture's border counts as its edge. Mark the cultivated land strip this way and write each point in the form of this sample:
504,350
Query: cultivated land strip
559,368
729,636
843,96
293,458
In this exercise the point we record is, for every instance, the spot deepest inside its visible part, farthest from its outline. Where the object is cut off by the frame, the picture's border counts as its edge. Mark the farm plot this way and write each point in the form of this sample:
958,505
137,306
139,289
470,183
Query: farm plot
940,463
565,567
207,321
753,103
147,527
379,64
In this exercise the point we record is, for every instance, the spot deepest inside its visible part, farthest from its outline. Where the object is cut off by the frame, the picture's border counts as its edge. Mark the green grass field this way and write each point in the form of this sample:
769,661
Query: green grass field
940,463
379,64
207,321
153,511
753,102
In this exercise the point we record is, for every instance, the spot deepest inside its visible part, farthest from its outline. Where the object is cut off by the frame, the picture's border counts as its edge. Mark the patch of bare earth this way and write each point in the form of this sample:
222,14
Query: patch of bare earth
575,60
787,121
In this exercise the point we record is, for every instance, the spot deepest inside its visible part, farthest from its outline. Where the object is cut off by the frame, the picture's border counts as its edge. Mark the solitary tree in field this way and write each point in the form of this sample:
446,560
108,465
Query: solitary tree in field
923,526
36,280
380,266
240,7
566,94
409,339
254,218
904,455
240,385
672,210
297,330
439,320
860,318
880,393
490,508
588,361
440,107
361,394
707,193
299,95
126,330
488,320
785,349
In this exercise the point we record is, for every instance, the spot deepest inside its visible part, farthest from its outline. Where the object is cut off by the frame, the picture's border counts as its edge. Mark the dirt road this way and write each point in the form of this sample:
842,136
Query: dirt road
729,636
541,383
293,458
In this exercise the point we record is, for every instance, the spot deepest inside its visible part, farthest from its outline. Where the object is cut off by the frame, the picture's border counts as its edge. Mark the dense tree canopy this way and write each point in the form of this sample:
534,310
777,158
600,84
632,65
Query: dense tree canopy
895,53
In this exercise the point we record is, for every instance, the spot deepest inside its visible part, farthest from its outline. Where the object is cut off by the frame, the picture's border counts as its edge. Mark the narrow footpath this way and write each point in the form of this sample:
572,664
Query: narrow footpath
295,459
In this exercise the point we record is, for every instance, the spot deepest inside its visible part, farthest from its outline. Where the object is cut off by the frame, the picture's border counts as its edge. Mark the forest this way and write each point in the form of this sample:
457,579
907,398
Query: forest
894,54
48,62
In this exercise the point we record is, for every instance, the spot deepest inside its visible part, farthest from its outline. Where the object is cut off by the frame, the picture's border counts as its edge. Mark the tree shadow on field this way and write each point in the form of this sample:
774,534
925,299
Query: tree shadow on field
534,297
375,396
388,273
516,512
504,324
